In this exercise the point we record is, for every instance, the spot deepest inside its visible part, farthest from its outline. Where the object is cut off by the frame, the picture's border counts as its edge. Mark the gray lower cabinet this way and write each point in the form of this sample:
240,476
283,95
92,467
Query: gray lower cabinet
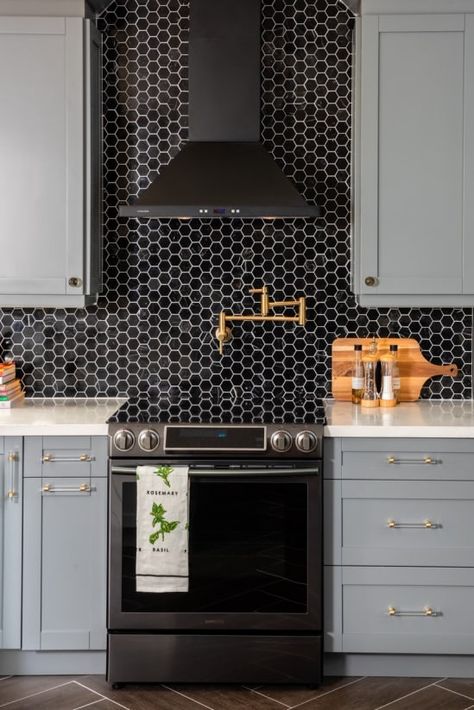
399,546
50,123
414,155
64,553
11,487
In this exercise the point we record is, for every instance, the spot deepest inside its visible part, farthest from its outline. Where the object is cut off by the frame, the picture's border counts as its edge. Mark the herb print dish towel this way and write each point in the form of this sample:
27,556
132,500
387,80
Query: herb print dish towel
162,529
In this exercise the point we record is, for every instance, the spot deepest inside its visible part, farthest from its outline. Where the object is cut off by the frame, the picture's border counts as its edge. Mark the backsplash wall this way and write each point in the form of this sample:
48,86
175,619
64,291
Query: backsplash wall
152,332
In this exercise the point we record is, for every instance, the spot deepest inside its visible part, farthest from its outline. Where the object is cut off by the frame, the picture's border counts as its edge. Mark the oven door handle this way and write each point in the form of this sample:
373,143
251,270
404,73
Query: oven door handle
232,471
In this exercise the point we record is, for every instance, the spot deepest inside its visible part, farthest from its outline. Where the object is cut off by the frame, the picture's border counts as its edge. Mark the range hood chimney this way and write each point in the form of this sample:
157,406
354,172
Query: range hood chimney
223,171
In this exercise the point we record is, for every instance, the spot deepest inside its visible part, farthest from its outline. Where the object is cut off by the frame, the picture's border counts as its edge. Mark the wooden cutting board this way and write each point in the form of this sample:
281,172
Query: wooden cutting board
414,368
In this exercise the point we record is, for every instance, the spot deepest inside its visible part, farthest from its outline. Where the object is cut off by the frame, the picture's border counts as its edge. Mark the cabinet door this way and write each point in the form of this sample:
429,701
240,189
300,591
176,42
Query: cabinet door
65,564
42,156
10,542
416,220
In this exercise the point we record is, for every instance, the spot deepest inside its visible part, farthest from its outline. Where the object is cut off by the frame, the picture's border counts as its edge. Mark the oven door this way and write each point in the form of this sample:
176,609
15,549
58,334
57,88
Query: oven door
255,550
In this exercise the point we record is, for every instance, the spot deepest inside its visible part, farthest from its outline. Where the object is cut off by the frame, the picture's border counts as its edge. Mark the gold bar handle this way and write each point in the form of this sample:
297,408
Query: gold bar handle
426,525
83,458
82,488
12,492
427,611
427,460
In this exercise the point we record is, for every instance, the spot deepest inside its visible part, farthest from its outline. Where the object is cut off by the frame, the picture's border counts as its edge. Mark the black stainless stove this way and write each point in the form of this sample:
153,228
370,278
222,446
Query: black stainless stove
253,611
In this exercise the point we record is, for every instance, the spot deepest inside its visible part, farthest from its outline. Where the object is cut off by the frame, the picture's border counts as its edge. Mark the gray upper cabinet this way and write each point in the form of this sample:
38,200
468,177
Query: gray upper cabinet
50,219
414,157
11,487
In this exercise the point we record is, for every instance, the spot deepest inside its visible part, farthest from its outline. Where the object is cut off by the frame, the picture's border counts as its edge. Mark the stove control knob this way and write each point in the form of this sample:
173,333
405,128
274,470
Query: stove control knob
281,441
148,440
306,442
124,440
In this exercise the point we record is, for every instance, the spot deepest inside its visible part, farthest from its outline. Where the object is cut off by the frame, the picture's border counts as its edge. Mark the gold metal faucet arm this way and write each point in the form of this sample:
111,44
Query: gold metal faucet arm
264,301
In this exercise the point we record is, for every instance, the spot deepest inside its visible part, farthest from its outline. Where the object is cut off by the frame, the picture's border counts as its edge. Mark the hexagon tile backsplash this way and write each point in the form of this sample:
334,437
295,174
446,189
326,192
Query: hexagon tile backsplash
152,332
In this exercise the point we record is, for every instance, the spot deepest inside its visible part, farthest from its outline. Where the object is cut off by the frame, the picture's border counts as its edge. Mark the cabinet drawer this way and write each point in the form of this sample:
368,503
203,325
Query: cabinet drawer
407,610
60,456
408,523
424,464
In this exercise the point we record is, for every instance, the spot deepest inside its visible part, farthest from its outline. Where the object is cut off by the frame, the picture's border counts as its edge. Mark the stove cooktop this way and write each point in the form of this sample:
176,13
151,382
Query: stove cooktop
184,409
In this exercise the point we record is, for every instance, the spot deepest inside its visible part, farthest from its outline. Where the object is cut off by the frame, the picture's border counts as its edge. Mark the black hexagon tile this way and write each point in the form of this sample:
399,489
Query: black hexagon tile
151,334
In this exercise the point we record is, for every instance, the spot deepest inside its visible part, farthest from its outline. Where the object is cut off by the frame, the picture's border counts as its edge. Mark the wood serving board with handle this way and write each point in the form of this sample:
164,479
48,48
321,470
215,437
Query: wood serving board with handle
414,368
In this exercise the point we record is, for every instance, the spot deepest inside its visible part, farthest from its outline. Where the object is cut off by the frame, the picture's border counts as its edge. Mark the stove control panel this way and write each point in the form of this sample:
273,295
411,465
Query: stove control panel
141,440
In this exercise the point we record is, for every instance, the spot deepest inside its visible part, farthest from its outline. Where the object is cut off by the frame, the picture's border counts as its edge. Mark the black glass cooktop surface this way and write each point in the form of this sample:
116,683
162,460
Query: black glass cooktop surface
184,408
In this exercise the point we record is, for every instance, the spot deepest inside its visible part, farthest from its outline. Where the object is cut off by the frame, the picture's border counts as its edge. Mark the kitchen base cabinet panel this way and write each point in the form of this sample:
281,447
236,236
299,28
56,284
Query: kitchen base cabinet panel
65,564
11,508
408,523
399,550
405,610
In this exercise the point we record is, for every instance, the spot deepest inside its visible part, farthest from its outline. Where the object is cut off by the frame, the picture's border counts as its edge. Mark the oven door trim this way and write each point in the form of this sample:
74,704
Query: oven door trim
222,621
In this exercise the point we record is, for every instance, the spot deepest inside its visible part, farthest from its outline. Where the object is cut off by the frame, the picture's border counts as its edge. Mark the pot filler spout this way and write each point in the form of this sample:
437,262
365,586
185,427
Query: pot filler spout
223,170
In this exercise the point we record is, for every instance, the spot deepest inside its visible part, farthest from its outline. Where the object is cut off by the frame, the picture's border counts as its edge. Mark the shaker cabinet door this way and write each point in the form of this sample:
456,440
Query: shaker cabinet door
415,224
65,563
41,137
10,541
50,174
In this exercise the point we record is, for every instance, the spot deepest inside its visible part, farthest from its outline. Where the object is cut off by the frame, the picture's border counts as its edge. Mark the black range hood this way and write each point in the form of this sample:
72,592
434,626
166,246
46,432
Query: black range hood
223,171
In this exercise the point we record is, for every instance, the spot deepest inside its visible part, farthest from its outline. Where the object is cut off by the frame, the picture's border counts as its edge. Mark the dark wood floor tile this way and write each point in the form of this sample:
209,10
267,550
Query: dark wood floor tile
103,705
367,694
294,694
433,698
65,698
459,685
17,687
227,697
140,697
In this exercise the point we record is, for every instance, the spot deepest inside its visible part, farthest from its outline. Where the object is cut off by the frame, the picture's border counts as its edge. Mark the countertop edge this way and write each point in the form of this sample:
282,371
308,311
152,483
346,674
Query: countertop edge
54,430
333,431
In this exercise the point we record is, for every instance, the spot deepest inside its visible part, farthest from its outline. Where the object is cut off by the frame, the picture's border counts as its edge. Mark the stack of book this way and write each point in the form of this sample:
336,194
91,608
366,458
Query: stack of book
11,393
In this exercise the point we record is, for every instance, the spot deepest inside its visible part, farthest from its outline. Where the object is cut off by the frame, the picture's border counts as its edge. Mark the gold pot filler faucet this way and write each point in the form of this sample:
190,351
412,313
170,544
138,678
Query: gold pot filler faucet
224,333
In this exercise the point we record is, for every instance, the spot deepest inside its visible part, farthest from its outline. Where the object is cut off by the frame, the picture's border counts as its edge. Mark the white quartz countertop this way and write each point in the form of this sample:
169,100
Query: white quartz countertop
425,418
59,417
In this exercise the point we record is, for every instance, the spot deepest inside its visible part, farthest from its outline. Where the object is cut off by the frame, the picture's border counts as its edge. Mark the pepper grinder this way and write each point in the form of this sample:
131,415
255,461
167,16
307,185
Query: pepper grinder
370,398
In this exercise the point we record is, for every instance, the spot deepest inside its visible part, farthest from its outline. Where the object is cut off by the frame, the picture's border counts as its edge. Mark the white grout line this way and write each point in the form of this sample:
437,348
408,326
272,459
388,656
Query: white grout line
453,691
5,677
408,695
32,695
188,697
104,697
328,692
93,702
268,697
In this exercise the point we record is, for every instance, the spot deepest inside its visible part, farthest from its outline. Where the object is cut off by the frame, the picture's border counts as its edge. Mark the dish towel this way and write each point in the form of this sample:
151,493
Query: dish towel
162,529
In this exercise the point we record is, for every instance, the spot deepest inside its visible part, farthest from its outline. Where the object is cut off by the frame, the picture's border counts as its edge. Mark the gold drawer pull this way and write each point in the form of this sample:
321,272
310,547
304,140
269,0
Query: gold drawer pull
82,488
83,458
427,611
425,525
12,492
427,460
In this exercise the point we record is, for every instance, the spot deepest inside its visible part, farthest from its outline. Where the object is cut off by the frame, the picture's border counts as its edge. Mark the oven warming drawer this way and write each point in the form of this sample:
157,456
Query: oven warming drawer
214,658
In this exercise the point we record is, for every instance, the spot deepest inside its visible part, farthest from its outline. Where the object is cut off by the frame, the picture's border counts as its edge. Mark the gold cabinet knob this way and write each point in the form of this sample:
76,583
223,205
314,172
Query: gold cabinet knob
391,459
371,281
391,611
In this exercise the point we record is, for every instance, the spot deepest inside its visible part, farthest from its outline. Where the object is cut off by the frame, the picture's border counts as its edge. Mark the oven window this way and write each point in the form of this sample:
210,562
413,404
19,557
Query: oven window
247,549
